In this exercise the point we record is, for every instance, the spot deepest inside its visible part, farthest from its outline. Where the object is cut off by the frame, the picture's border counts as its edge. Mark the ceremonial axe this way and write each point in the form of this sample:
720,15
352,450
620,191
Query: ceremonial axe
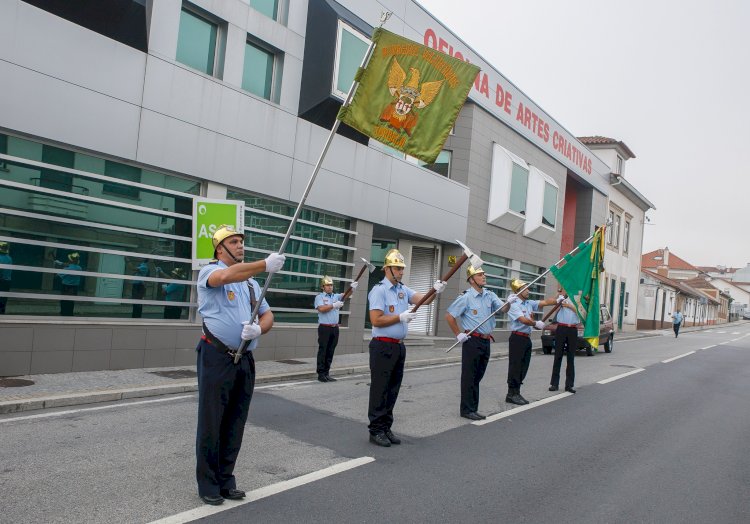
369,266
469,255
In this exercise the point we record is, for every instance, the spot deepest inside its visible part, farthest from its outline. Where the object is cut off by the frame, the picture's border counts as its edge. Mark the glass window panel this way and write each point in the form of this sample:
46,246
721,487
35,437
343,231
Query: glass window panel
626,237
549,211
257,74
441,165
351,51
125,172
56,179
518,187
270,8
196,42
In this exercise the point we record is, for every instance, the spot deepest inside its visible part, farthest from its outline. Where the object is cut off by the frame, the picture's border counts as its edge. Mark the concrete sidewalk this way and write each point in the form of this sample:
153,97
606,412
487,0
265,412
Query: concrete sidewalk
33,392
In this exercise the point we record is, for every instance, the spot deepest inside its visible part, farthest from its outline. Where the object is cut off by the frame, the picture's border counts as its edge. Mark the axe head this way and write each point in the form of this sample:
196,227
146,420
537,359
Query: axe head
370,266
474,259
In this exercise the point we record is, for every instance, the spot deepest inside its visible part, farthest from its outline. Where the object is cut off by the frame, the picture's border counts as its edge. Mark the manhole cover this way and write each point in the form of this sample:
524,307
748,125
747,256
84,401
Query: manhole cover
290,361
15,382
176,373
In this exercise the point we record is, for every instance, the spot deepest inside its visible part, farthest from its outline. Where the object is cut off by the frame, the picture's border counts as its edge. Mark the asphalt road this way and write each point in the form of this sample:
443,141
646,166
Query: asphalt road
670,442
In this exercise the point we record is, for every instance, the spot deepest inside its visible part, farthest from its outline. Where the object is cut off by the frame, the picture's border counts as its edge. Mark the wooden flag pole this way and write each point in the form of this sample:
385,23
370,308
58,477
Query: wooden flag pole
383,18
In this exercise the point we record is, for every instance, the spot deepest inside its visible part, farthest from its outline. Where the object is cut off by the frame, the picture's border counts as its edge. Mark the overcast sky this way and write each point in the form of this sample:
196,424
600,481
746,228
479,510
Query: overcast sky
670,78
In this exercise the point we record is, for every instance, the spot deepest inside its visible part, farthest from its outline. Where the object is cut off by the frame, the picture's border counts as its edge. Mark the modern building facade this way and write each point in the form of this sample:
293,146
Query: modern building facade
140,106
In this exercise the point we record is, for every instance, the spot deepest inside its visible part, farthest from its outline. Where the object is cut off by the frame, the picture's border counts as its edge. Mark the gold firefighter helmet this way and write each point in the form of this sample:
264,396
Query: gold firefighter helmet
326,281
74,257
178,273
223,233
4,247
516,285
394,259
471,271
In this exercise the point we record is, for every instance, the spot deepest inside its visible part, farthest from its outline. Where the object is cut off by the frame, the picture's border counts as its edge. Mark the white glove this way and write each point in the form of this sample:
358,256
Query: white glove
407,316
462,337
512,298
274,262
539,324
560,299
439,286
250,331
354,286
338,304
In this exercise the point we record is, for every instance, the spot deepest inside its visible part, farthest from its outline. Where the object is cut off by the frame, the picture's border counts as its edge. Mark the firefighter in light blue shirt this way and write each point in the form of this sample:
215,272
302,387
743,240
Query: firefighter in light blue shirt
328,305
226,296
566,341
470,308
390,315
521,314
69,282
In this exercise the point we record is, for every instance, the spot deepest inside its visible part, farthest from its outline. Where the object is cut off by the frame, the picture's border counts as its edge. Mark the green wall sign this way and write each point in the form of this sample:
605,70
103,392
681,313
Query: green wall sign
208,216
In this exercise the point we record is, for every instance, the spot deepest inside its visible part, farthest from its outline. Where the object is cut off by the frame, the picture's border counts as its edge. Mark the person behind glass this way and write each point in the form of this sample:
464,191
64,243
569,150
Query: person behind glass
566,341
470,308
69,283
5,273
519,343
390,315
139,287
677,319
173,292
328,305
226,296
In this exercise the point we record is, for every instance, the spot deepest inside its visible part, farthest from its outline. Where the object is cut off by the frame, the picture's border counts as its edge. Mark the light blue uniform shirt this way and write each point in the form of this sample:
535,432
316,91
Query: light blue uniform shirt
522,309
326,299
5,274
676,318
175,293
471,307
391,300
141,271
71,280
567,316
225,308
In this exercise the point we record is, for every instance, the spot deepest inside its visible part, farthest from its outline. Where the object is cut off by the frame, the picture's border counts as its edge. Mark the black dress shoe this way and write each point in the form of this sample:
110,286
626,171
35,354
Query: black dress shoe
553,388
570,390
393,438
233,494
516,399
472,416
322,378
329,378
380,439
214,500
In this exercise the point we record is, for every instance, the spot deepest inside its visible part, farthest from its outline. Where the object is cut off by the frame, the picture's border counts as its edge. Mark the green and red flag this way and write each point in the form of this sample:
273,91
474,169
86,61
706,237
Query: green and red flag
579,277
409,95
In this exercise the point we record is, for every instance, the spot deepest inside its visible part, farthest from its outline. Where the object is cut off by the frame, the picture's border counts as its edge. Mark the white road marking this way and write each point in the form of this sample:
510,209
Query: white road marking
267,491
511,412
723,343
675,358
736,333
721,332
617,377
72,411
709,347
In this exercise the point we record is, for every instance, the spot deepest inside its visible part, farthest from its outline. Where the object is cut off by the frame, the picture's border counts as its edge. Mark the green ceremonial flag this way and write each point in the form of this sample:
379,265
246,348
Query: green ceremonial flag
579,277
409,95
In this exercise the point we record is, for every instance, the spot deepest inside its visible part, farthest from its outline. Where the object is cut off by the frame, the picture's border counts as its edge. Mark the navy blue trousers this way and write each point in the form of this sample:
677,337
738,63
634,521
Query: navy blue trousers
386,373
566,341
475,355
224,393
519,359
328,338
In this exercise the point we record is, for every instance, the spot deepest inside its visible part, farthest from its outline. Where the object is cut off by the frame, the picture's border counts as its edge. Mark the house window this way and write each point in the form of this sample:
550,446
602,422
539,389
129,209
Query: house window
616,232
441,165
257,73
549,211
351,47
270,8
626,237
519,184
611,226
618,165
196,42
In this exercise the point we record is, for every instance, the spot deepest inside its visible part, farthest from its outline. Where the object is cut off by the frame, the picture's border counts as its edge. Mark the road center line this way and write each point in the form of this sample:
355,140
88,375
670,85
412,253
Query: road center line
514,411
617,377
267,491
675,358
709,347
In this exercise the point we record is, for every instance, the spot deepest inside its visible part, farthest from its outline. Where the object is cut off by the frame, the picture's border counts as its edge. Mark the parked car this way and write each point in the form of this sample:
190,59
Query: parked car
606,335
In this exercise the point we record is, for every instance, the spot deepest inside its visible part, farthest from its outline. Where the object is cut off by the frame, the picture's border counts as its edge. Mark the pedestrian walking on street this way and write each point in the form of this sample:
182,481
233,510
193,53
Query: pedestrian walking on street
227,294
677,320
566,342
469,309
519,344
390,315
328,305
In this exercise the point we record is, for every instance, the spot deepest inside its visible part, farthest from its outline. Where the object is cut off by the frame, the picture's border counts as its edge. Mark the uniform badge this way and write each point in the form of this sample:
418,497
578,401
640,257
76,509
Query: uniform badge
391,309
401,295
230,295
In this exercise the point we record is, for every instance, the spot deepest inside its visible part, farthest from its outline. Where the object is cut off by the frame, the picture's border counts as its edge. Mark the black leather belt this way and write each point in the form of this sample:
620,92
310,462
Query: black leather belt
218,344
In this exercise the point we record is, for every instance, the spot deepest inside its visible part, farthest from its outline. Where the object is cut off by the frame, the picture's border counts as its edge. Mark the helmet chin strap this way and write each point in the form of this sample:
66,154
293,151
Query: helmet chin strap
474,280
393,275
236,260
